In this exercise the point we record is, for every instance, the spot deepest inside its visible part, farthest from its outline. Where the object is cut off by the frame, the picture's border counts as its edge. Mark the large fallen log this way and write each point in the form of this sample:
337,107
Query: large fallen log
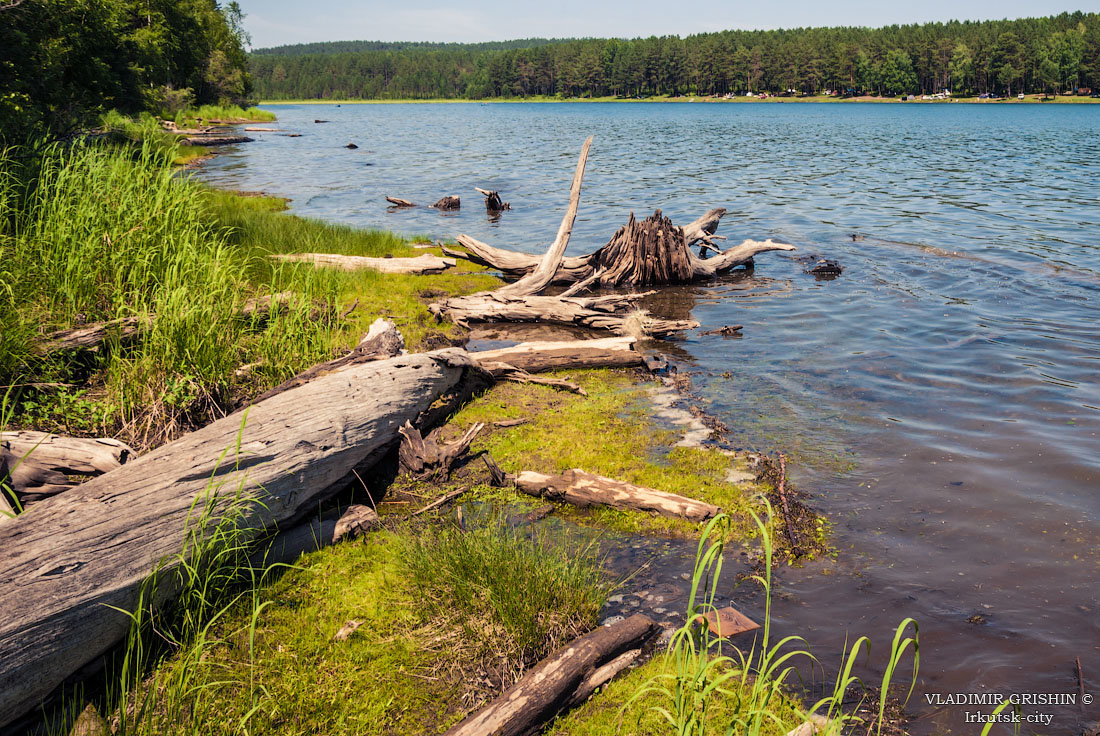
588,489
38,464
70,558
562,680
424,264
615,312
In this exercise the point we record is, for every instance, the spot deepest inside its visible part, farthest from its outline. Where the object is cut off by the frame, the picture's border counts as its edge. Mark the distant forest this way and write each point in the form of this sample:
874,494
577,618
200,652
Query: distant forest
1054,54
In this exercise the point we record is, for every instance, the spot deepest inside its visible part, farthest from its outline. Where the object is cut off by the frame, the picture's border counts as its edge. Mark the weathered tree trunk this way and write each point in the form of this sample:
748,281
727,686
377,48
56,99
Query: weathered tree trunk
493,204
38,464
535,357
69,558
562,680
398,202
449,202
588,489
427,457
653,251
615,312
424,264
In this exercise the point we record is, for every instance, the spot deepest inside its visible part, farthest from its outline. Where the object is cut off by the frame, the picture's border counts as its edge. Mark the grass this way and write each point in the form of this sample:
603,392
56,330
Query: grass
268,661
92,233
611,432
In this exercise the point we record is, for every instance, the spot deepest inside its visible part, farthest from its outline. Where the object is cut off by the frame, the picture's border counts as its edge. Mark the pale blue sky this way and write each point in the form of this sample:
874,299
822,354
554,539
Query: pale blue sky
276,22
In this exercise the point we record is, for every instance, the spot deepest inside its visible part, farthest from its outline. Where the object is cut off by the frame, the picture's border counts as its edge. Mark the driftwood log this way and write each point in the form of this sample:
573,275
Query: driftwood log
398,202
424,264
563,680
492,201
449,202
588,489
535,357
427,457
288,452
650,252
127,329
38,464
383,340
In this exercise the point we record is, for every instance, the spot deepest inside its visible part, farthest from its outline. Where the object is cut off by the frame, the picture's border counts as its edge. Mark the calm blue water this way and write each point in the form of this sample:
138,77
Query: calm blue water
942,397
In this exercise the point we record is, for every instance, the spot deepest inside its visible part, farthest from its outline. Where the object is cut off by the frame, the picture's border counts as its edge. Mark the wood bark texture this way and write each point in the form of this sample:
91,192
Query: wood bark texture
535,357
287,546
588,489
428,457
398,202
563,679
287,452
424,264
38,464
449,202
493,202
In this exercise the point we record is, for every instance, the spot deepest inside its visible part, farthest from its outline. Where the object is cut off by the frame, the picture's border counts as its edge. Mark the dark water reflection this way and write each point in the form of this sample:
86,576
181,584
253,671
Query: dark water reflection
942,396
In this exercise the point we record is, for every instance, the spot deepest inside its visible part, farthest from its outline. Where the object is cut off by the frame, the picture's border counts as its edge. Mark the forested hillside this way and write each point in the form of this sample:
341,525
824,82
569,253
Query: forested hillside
64,61
1053,54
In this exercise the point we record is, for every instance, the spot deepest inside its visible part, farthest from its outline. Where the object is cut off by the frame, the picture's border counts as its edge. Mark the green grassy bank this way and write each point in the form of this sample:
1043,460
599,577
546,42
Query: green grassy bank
438,615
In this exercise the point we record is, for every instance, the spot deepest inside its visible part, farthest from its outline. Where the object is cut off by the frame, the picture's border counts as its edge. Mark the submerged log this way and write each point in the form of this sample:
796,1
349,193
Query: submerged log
492,201
562,680
449,202
38,464
424,264
398,202
72,559
588,489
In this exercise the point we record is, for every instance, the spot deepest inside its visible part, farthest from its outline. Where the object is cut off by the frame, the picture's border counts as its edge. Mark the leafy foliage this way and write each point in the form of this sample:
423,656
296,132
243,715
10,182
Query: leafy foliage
1057,54
62,62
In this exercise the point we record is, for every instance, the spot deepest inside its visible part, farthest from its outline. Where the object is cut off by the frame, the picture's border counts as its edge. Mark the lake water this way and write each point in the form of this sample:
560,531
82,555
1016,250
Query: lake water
941,398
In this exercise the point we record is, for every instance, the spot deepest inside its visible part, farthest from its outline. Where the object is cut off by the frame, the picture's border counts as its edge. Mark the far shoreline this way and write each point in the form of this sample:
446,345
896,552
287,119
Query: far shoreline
1029,100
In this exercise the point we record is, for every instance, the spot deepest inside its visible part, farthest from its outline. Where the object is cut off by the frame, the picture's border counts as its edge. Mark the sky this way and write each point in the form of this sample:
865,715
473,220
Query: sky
278,22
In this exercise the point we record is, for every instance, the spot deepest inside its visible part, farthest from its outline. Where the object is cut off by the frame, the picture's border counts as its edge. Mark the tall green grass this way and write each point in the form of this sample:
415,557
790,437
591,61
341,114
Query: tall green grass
753,685
96,233
531,593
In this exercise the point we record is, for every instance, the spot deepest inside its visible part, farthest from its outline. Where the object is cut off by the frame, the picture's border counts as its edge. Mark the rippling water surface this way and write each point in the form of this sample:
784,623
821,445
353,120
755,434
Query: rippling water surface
941,397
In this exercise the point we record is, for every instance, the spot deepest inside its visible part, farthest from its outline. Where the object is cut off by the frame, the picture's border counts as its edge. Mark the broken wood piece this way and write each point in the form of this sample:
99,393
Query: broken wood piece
424,264
727,622
261,130
537,356
440,502
287,546
588,489
75,562
38,464
216,140
564,679
261,308
728,331
602,676
383,340
427,457
448,203
90,723
90,337
507,372
492,201
398,202
504,423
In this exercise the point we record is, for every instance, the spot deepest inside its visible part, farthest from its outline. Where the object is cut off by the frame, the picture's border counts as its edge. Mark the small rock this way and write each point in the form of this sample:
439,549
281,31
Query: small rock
347,630
615,599
739,476
610,620
660,611
351,146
